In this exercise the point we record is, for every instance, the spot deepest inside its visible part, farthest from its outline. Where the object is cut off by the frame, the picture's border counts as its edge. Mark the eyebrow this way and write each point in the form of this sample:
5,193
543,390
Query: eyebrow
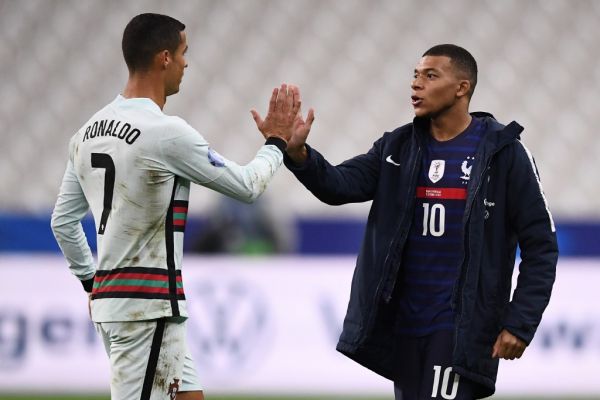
427,70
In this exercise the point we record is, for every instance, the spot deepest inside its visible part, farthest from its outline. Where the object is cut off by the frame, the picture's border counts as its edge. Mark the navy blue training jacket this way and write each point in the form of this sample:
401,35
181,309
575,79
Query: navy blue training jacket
505,207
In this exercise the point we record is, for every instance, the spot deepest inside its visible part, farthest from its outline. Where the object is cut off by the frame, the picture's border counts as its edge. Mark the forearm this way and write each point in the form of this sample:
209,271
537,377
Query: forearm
73,244
71,206
352,181
248,182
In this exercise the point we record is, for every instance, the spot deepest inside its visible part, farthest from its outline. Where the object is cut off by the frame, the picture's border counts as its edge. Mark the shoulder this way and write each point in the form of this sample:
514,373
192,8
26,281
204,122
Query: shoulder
401,133
403,130
505,137
173,128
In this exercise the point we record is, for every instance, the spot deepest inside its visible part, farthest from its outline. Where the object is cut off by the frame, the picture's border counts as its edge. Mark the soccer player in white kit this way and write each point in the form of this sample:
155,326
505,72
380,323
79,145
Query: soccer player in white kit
132,165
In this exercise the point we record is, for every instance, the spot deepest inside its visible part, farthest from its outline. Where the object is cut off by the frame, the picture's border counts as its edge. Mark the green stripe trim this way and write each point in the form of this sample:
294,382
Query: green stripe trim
179,215
134,282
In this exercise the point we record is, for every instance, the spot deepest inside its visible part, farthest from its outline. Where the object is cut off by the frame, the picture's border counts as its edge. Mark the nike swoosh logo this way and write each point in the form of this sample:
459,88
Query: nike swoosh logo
389,159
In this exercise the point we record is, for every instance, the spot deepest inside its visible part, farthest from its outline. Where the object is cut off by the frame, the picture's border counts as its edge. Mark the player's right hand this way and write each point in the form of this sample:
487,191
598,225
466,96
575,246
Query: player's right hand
283,109
296,148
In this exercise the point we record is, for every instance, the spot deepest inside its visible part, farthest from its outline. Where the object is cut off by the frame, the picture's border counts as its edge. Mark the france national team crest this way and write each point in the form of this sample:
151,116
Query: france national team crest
466,169
436,170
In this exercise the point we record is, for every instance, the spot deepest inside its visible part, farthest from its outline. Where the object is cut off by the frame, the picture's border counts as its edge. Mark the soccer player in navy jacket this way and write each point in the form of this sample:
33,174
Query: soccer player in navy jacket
453,194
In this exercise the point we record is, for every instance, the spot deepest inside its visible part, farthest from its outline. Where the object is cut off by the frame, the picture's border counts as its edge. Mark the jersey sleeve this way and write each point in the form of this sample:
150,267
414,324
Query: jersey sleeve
189,156
71,206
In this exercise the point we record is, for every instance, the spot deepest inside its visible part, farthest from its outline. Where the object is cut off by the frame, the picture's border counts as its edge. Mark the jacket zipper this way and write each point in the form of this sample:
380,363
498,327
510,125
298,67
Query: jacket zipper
381,281
411,205
457,290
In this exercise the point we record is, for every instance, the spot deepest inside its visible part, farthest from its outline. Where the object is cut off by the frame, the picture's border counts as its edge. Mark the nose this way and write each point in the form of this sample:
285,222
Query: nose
416,84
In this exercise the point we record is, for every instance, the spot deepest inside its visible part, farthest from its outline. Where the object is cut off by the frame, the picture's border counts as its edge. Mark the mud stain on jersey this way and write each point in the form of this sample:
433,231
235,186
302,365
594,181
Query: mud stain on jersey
153,177
134,316
166,371
123,190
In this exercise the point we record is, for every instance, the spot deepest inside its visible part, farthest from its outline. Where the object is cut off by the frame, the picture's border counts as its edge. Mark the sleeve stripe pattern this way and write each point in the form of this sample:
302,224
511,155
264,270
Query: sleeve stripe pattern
537,177
180,210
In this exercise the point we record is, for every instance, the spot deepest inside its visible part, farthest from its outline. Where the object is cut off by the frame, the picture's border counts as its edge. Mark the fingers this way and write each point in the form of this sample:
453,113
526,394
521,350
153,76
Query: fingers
257,118
289,101
281,98
296,102
508,346
496,350
273,101
310,118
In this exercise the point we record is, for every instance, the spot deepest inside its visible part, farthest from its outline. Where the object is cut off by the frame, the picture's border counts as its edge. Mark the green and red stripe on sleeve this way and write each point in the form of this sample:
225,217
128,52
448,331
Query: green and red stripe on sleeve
180,210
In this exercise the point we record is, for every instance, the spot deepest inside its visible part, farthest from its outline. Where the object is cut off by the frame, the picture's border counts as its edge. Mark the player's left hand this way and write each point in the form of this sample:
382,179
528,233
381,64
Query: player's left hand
508,346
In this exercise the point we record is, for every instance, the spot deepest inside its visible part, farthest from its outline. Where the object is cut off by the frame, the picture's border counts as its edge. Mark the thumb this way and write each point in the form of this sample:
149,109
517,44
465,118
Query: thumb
259,121
496,349
310,117
495,352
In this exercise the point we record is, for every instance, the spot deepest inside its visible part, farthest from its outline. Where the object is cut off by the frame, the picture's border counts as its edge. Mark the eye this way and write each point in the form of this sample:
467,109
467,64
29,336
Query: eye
431,75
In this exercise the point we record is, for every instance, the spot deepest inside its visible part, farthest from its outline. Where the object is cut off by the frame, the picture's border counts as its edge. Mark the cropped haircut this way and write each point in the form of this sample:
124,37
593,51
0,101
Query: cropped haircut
146,35
461,59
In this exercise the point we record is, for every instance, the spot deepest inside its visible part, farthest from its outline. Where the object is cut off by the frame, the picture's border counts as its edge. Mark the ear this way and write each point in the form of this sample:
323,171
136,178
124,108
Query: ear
464,87
163,59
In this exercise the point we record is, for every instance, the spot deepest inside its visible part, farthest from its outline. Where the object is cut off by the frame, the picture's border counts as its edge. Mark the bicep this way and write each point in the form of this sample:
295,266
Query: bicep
191,158
528,205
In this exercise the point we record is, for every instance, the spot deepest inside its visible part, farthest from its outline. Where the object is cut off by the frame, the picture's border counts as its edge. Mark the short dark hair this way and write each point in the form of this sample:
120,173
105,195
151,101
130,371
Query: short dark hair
147,34
460,58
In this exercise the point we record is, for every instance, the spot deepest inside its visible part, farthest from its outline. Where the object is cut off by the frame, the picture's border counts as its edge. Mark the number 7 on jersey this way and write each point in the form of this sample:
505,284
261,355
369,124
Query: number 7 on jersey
102,160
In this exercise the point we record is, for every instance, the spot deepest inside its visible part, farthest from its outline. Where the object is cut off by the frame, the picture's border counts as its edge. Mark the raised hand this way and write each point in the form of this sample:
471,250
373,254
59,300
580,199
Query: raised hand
296,148
508,346
283,108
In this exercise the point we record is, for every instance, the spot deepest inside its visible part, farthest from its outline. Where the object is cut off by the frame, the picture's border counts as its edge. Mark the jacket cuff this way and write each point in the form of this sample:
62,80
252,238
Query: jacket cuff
278,142
519,329
88,285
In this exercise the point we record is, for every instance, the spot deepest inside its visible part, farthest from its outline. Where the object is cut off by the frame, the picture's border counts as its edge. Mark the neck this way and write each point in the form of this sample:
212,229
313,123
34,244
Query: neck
145,84
450,124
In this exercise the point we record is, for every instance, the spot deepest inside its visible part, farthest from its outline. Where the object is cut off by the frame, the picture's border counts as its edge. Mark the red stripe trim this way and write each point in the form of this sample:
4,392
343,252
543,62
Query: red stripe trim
180,209
136,289
441,193
179,222
132,275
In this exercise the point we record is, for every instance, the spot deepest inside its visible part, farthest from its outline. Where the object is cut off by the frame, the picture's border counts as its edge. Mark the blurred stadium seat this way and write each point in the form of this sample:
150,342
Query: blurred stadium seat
352,59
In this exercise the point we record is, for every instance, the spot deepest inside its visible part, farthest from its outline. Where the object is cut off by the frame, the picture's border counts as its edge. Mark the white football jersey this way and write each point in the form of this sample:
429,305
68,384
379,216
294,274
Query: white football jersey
132,165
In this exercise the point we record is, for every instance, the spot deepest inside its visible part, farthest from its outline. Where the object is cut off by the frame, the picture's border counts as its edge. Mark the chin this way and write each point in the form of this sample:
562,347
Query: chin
420,113
173,91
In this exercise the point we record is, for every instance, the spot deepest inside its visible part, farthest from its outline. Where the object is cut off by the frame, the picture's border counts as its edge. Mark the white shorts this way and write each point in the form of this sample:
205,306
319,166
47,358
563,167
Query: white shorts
149,360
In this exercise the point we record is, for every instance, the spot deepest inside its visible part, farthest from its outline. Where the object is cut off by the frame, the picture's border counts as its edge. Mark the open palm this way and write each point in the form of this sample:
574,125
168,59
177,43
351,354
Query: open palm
300,131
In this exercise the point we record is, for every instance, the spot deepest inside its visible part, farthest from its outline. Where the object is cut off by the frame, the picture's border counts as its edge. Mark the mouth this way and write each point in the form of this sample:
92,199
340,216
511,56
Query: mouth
416,101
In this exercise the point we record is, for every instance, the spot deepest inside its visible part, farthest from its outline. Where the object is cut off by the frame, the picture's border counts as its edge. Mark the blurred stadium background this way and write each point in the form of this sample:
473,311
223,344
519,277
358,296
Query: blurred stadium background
353,60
